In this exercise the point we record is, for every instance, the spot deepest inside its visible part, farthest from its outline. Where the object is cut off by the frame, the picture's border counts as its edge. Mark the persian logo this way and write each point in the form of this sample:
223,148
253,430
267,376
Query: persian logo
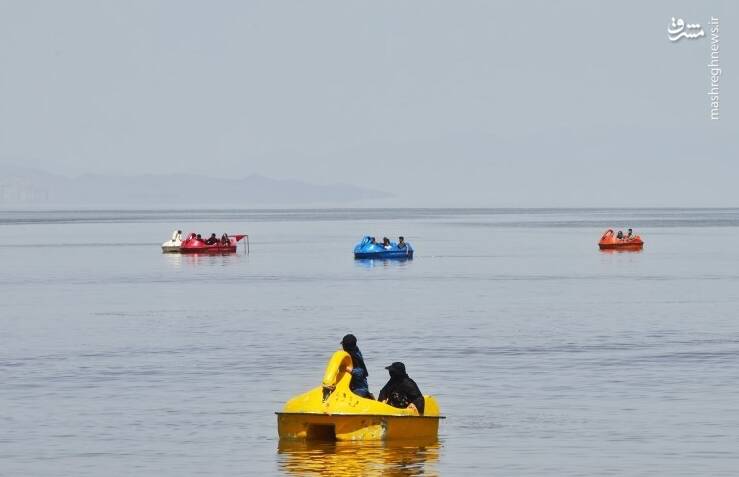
678,29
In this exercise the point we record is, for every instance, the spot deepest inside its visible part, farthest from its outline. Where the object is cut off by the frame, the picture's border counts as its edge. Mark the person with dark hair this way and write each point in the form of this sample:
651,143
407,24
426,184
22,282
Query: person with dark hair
630,234
358,384
401,243
620,235
198,237
401,391
385,242
225,241
212,240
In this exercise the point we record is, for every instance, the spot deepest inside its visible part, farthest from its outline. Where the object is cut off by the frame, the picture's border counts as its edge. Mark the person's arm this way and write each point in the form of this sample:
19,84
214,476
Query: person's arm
420,403
383,394
358,372
414,395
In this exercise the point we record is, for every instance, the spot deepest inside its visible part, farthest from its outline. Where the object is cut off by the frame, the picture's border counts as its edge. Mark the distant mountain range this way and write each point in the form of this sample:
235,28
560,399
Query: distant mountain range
22,186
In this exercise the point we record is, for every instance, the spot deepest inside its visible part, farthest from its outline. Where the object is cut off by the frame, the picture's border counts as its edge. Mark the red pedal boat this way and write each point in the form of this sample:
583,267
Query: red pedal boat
609,241
192,244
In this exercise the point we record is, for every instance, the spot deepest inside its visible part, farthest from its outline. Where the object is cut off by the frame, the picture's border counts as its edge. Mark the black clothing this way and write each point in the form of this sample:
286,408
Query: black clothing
401,391
212,240
358,384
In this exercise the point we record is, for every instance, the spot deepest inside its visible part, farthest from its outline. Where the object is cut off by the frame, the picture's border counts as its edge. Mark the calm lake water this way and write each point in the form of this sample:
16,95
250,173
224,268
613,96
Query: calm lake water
547,356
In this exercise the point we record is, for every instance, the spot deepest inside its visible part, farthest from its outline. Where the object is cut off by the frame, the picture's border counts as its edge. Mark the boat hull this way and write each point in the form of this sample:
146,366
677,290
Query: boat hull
355,427
209,249
393,254
621,246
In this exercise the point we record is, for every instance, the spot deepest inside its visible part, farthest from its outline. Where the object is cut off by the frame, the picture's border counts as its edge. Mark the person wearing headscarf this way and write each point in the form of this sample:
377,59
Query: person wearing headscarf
401,391
358,384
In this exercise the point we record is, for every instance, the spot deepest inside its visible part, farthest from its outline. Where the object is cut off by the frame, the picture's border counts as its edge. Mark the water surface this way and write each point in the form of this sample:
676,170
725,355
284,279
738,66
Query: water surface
546,355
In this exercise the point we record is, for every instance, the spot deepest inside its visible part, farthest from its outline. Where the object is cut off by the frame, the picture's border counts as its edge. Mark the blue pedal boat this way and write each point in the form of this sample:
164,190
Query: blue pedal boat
367,249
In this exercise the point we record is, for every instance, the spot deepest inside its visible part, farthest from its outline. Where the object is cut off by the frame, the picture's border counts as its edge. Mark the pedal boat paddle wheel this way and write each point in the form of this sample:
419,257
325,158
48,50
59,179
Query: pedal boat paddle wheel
332,412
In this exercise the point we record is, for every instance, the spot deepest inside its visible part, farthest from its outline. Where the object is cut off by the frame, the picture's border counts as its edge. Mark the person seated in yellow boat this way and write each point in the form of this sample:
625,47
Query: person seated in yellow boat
401,391
358,384
212,240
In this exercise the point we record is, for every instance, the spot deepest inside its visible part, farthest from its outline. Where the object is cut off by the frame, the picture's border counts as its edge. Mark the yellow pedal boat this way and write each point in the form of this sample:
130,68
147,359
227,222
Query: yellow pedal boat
332,412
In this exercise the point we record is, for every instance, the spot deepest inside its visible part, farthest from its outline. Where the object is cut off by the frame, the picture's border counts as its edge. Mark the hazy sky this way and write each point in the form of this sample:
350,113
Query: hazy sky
455,103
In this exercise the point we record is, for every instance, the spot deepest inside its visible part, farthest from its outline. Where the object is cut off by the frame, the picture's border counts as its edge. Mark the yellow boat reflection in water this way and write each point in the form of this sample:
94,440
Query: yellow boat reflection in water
332,412
406,458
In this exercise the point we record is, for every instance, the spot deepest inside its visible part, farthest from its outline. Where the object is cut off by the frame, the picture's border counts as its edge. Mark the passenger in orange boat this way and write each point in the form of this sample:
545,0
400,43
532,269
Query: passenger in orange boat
620,235
630,234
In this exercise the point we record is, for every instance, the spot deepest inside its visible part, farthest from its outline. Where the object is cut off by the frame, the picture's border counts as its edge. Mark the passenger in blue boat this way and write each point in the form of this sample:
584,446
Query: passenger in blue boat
401,391
386,242
359,373
401,243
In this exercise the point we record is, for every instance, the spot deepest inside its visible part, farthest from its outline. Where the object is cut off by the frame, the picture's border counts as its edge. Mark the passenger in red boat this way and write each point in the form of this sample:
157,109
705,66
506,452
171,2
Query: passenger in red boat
225,240
212,240
199,238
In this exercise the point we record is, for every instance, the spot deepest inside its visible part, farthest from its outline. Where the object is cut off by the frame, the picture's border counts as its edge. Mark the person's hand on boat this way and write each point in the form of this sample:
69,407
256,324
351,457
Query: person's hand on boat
413,408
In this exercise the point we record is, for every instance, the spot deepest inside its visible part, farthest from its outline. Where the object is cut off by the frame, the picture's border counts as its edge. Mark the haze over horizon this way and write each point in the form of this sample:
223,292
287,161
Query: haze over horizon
440,104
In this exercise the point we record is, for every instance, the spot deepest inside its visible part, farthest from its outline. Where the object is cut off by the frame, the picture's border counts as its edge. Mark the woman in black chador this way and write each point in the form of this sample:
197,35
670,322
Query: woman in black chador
358,384
401,391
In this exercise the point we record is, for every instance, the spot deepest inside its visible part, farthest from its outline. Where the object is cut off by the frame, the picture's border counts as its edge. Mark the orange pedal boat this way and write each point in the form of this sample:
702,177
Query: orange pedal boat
609,241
